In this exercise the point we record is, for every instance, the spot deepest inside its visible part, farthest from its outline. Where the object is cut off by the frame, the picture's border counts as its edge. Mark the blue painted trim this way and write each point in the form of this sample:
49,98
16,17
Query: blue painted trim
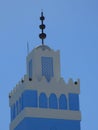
53,101
73,102
30,98
43,101
63,102
48,124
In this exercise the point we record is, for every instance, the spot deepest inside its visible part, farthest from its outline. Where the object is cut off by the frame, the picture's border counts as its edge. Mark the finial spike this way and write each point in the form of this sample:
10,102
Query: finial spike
42,35
27,47
41,11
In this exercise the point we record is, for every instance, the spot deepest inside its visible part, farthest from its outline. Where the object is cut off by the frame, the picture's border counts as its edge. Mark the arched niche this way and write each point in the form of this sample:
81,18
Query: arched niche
62,102
53,103
43,102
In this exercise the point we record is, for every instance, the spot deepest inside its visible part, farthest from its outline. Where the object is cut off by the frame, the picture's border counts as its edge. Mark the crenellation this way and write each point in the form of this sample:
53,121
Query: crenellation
53,82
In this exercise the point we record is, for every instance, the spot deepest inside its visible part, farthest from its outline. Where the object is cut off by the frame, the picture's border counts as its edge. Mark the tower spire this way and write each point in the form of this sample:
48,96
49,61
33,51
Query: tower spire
42,35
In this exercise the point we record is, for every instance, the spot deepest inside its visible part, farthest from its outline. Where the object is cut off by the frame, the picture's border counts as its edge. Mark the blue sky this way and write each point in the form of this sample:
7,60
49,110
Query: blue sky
72,27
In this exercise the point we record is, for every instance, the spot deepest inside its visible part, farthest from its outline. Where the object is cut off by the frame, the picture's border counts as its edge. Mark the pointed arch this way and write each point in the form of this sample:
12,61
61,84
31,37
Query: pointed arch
53,101
43,103
62,102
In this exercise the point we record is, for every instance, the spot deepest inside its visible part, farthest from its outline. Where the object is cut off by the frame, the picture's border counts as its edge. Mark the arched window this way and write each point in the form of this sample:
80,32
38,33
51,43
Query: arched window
53,101
16,108
62,102
14,113
43,100
11,112
20,104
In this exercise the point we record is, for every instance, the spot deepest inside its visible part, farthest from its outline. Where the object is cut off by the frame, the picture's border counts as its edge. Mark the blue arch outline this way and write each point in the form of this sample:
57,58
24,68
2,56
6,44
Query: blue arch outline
62,102
53,103
43,101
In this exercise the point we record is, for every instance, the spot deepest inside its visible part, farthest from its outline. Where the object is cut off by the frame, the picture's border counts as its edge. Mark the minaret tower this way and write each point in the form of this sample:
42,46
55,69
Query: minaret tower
42,100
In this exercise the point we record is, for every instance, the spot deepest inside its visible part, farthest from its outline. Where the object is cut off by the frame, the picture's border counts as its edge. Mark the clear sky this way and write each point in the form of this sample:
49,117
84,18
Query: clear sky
72,27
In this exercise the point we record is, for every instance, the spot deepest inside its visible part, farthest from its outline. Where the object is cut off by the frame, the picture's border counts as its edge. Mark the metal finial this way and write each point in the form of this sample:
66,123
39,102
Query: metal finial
42,35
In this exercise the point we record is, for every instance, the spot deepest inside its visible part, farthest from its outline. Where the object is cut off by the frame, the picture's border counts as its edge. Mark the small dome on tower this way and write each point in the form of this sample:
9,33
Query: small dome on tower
43,47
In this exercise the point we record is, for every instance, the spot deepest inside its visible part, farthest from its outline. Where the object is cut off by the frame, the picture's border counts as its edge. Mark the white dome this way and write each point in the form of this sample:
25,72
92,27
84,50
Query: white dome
43,47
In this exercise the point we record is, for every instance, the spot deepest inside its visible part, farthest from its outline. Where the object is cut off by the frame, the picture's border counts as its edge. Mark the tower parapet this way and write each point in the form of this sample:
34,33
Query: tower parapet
58,87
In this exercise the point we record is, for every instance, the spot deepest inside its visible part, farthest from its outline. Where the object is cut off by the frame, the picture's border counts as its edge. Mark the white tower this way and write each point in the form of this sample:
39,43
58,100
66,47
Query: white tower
42,100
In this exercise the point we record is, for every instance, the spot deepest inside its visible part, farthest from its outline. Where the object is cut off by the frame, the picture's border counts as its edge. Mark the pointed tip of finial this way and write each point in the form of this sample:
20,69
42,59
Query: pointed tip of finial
41,12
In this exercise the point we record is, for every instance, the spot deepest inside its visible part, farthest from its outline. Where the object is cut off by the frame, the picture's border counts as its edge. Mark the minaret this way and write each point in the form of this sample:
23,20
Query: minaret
42,100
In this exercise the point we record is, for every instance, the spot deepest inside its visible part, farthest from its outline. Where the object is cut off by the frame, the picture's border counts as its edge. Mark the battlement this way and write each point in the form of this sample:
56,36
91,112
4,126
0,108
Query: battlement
41,85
